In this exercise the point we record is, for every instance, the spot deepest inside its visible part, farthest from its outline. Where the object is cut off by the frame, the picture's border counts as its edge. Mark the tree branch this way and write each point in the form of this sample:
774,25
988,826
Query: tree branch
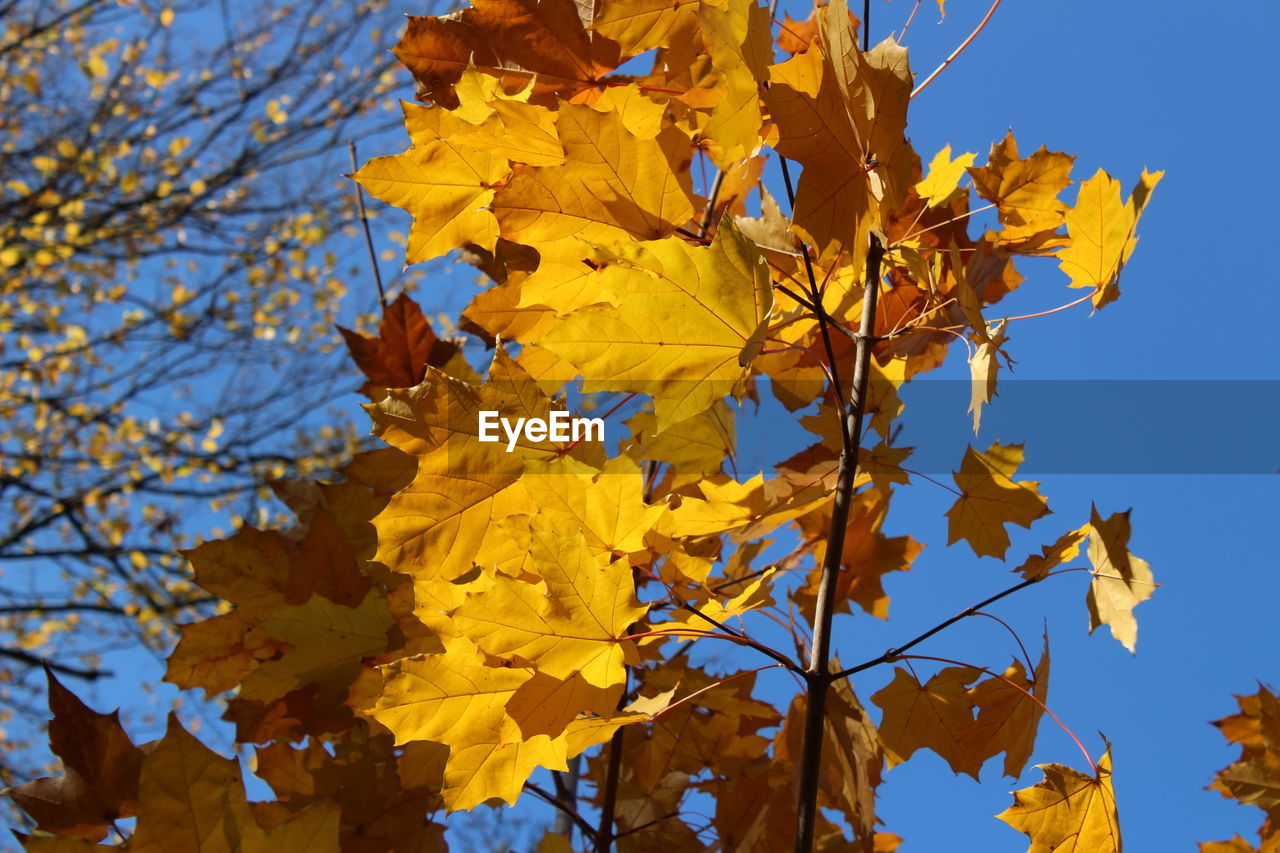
818,676
555,802
609,800
891,654
60,668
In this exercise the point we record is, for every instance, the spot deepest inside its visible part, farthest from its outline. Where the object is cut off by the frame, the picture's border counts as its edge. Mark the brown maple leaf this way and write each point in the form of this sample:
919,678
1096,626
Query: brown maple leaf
101,766
546,43
405,345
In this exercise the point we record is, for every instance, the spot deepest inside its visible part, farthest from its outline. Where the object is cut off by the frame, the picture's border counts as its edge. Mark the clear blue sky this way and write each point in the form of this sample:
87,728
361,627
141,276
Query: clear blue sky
1186,88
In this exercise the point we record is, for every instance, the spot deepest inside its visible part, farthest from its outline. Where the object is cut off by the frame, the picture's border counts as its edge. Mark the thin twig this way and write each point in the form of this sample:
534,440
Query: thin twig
646,825
902,35
815,305
782,659
712,686
697,238
368,235
963,614
555,802
973,35
709,213
60,668
797,297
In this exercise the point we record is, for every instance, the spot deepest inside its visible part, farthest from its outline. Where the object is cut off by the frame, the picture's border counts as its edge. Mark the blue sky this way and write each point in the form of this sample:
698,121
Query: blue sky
1174,86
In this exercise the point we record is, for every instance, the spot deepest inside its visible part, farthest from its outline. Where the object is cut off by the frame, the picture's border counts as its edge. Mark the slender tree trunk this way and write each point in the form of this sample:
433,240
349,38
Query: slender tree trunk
818,676
604,834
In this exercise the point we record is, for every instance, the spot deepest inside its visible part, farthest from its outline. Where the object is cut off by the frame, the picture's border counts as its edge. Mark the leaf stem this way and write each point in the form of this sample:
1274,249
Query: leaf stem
1034,698
776,655
605,417
902,35
955,53
714,685
1017,639
936,225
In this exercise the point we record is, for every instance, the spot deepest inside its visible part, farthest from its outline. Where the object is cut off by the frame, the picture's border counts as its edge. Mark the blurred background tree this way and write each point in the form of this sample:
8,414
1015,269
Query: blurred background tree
171,218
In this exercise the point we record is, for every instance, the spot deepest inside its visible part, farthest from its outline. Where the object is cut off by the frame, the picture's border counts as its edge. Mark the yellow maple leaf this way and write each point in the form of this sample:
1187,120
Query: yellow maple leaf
218,653
640,25
443,184
1120,582
639,113
515,40
690,321
1254,778
498,313
1063,550
1069,812
484,771
727,505
1009,712
191,798
606,506
443,522
936,715
546,705
451,698
837,108
943,181
1025,191
868,555
260,571
614,185
741,49
458,699
1103,233
694,447
989,499
984,367
327,643
570,621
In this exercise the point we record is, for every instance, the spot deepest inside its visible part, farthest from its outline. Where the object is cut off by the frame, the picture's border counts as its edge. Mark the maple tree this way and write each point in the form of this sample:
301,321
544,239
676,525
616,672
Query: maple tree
169,207
448,615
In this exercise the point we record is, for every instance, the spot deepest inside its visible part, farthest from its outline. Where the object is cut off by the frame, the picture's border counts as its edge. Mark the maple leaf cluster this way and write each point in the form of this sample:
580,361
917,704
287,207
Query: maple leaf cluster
451,615
1254,779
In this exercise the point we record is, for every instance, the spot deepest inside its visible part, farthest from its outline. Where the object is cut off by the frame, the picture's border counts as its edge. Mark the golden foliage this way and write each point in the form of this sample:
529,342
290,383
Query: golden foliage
453,612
